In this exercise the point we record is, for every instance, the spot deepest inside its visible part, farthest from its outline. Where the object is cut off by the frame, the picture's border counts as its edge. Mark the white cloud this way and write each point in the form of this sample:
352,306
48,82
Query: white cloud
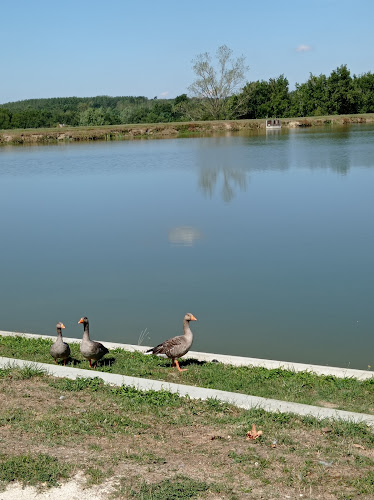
164,94
303,48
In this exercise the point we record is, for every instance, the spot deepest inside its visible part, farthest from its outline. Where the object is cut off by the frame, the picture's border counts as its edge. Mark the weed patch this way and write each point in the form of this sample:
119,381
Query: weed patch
179,488
33,470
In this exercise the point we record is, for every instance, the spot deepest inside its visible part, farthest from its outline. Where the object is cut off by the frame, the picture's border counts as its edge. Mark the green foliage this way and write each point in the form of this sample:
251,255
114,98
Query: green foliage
87,111
178,488
99,116
364,485
180,98
33,470
338,93
153,398
310,98
79,384
24,373
5,118
96,475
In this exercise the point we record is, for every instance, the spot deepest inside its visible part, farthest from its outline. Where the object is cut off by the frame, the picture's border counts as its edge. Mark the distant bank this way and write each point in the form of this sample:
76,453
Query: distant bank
166,130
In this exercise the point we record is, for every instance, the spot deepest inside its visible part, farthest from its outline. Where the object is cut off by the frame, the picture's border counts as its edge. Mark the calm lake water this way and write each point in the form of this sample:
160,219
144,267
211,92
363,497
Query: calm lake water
267,239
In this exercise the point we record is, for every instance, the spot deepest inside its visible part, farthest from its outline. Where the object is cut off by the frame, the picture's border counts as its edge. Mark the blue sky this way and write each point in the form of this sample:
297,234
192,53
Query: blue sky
145,47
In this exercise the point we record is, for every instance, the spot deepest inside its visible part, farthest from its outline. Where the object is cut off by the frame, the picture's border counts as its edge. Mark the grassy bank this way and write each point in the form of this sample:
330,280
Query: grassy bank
156,445
301,387
180,129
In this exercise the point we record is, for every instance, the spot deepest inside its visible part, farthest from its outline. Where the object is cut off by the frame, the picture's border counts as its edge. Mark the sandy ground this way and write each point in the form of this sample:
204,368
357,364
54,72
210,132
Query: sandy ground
73,490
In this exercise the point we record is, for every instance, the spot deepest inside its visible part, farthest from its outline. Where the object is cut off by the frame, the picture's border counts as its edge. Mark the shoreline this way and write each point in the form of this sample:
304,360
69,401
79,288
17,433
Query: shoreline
269,364
131,434
167,130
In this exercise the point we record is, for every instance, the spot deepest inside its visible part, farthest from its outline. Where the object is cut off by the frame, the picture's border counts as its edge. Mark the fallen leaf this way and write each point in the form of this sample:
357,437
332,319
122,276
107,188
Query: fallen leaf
253,434
358,446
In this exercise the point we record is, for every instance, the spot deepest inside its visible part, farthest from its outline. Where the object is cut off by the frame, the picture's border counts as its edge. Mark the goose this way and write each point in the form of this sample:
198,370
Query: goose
177,347
60,349
90,349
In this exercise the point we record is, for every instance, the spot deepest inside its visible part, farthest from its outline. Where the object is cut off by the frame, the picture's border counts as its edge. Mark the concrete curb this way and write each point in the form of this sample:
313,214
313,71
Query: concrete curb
227,359
239,400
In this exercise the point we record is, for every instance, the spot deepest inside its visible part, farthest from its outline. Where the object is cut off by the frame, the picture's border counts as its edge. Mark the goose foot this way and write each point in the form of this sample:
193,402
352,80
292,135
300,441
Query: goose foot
179,368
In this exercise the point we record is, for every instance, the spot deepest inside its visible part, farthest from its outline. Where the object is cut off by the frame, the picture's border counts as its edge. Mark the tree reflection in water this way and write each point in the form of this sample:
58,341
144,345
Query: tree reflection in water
233,179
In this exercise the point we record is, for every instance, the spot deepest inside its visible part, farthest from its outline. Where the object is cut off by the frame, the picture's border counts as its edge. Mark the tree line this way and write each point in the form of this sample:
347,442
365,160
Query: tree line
338,93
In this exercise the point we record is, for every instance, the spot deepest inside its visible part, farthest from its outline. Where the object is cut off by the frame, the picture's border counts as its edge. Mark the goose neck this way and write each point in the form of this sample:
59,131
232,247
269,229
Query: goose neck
186,327
86,333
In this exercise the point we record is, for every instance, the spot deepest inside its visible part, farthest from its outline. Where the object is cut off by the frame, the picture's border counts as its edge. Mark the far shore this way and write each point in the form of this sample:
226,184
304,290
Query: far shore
63,134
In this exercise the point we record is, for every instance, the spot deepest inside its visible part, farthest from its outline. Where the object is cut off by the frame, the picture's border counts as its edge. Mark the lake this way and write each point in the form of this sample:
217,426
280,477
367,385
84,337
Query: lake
267,239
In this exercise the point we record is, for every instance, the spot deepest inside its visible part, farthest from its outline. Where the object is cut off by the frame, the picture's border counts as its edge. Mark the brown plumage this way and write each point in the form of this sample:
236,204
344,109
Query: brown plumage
60,349
90,349
177,347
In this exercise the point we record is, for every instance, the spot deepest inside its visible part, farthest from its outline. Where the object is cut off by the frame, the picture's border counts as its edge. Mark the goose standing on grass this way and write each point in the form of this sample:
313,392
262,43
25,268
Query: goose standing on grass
90,349
60,349
177,347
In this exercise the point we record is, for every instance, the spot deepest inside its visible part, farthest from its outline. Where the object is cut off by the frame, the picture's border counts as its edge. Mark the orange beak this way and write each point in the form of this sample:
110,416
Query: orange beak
80,321
193,318
62,325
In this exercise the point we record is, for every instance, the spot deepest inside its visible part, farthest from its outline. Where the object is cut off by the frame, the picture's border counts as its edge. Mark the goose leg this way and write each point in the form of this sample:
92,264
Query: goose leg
90,363
179,368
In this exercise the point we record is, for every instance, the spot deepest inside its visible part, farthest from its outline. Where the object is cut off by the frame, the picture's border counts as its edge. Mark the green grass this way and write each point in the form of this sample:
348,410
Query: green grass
33,470
302,387
111,432
179,488
364,486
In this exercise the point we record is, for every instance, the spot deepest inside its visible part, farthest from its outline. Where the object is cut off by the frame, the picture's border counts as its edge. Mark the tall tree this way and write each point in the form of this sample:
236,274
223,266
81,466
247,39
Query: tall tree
5,117
279,96
340,91
216,82
255,100
310,98
364,92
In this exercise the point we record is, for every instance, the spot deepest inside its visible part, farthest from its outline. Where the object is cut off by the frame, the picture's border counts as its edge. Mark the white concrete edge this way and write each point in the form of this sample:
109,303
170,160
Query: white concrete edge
240,400
228,359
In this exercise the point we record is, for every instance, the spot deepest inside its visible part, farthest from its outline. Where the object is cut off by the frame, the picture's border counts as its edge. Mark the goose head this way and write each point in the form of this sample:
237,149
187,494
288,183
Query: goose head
83,320
190,317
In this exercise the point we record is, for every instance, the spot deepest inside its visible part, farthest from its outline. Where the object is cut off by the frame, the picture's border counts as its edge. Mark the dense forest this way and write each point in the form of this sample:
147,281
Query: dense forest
338,93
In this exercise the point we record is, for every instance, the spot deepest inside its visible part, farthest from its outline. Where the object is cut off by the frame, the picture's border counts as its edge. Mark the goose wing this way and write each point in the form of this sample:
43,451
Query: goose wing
171,347
98,348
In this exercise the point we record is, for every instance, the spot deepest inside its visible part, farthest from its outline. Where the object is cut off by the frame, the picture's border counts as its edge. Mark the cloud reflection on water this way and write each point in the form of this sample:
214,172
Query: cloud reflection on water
184,236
